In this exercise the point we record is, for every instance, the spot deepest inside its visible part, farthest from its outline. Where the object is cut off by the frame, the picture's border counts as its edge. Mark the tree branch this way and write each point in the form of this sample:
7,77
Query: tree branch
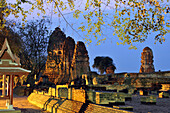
66,20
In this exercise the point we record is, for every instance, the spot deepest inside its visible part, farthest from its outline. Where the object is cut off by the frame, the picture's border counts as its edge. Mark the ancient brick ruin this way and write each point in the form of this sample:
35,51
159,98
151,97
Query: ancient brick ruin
147,61
66,60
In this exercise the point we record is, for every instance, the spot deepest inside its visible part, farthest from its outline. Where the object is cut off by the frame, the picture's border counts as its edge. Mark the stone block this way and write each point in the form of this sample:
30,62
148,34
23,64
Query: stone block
92,108
70,105
126,96
46,94
140,92
52,91
62,91
79,95
148,99
104,97
91,96
50,105
35,91
143,92
129,108
116,87
165,87
70,93
40,92
131,91
154,92
55,105
38,100
163,95
109,97
62,110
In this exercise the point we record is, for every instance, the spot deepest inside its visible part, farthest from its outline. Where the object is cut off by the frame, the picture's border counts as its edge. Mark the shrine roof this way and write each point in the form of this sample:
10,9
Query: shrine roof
10,63
6,53
13,71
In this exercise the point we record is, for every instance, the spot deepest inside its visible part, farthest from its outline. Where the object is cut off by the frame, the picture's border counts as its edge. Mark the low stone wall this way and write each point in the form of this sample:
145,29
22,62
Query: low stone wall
148,99
55,105
98,97
165,87
62,91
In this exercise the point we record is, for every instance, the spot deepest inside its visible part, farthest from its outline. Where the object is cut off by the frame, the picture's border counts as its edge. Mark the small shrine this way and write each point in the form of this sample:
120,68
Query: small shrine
9,68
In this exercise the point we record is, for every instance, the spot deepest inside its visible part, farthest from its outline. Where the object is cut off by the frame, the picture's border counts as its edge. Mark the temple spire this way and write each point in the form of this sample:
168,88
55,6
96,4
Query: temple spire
147,61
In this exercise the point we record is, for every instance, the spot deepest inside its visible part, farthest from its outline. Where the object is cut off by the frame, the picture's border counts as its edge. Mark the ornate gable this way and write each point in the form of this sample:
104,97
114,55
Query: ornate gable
7,57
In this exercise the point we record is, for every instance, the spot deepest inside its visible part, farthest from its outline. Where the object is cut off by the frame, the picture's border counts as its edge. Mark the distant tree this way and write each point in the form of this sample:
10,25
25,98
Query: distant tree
101,63
35,37
15,41
8,31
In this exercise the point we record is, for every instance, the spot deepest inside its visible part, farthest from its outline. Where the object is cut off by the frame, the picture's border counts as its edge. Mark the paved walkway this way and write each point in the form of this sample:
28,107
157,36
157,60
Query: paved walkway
162,105
21,103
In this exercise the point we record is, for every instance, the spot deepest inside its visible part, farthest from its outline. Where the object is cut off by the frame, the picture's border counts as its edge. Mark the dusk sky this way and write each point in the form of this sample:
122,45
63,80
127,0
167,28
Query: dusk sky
125,60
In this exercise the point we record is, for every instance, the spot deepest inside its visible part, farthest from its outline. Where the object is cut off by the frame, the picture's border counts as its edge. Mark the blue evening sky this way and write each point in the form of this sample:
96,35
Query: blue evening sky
125,60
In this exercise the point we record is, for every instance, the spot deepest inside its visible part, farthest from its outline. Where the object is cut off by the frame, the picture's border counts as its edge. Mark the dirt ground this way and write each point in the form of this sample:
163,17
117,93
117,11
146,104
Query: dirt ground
21,103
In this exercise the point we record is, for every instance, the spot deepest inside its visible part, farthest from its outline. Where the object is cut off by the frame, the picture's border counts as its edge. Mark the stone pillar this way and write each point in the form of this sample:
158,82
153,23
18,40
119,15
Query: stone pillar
3,85
8,86
11,93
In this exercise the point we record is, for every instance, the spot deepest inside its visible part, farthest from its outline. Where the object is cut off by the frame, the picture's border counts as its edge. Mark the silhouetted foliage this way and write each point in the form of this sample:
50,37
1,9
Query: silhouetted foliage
14,40
101,63
35,37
